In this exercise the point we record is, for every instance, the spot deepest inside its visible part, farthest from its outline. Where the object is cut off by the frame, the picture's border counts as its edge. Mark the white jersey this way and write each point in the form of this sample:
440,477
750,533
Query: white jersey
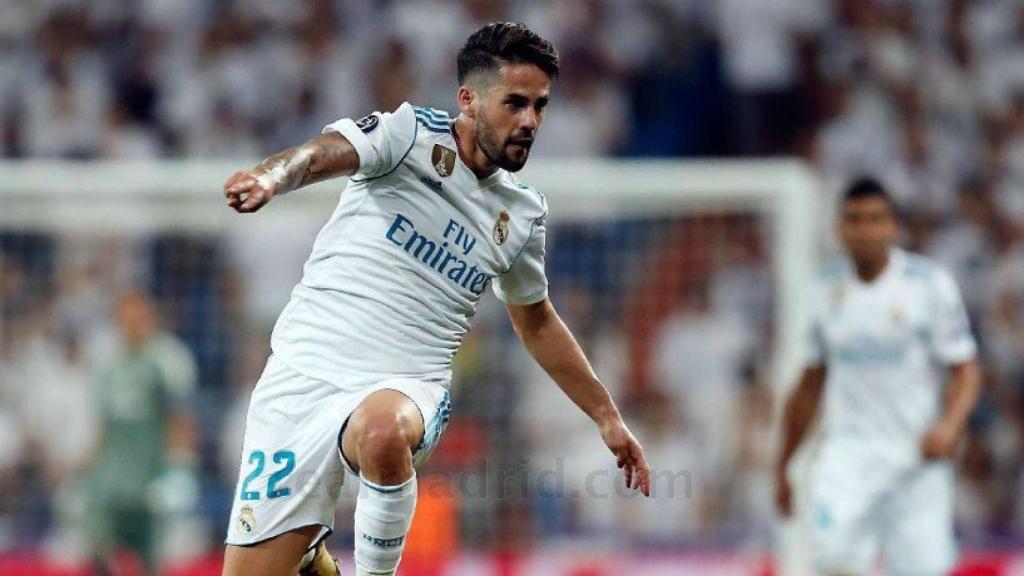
887,346
396,274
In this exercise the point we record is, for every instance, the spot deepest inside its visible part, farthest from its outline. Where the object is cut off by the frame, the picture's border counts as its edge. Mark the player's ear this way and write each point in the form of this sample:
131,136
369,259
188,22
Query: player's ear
467,100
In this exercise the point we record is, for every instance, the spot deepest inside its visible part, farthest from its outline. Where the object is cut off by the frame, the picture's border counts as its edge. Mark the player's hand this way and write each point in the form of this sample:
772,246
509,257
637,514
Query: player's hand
783,493
630,455
245,193
940,441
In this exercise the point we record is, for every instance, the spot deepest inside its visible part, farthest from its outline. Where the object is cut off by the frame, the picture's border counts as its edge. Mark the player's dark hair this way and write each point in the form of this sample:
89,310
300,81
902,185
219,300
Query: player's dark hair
867,187
499,42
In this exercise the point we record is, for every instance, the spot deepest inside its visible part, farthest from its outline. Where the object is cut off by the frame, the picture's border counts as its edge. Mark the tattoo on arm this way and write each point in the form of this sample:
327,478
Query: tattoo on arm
326,156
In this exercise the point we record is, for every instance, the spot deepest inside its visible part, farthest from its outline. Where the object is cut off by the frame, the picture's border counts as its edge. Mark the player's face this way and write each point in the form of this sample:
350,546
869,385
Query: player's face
509,114
136,318
868,228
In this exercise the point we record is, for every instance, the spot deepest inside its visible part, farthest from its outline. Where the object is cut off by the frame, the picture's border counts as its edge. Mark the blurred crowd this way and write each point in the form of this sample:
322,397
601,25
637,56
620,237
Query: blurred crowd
928,95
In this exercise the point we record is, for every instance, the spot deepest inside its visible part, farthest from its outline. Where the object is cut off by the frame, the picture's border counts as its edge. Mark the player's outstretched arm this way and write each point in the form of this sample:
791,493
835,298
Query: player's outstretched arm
551,343
326,156
797,416
942,438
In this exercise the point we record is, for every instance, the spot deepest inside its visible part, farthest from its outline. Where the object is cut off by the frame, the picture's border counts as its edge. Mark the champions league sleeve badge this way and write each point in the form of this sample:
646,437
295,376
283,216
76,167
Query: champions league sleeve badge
368,123
500,232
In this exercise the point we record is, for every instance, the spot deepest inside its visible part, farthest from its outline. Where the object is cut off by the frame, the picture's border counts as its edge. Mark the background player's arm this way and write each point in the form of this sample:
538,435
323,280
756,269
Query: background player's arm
553,346
798,414
326,156
941,440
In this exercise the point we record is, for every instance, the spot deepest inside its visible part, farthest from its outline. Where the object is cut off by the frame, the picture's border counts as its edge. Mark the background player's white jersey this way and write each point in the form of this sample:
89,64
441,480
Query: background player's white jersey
887,346
395,275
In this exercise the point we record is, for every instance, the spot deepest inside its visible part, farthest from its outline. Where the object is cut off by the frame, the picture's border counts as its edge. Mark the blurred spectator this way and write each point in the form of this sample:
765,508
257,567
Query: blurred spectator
761,41
698,360
66,91
686,497
965,244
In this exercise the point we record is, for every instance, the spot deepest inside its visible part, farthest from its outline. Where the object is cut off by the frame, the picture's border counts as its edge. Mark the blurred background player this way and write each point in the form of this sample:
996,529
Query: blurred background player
145,431
888,329
362,354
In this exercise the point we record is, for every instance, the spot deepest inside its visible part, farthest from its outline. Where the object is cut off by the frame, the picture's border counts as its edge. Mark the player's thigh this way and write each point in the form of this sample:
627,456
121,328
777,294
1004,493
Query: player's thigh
421,408
290,475
842,523
279,556
918,528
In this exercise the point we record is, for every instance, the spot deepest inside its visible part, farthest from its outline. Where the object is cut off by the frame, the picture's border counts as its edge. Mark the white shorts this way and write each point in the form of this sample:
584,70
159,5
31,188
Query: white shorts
862,506
292,470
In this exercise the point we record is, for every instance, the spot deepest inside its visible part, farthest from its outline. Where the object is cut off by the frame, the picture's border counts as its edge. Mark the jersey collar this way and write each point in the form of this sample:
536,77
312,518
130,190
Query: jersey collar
897,258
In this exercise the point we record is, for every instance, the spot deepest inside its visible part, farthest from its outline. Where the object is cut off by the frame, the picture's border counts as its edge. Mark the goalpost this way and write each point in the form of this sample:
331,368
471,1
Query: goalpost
138,197
656,227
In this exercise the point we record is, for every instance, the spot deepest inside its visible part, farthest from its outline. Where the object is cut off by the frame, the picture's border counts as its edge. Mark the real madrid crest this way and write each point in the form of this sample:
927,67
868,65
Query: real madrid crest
443,160
838,295
500,232
246,520
898,314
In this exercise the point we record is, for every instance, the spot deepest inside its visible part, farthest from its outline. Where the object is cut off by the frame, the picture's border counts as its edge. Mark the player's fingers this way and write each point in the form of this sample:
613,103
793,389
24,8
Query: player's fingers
783,498
235,199
629,475
249,205
785,504
231,180
643,472
637,452
242,184
237,191
253,202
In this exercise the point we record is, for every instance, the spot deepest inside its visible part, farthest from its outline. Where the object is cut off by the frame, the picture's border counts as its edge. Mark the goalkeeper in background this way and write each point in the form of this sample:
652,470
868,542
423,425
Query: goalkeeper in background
146,433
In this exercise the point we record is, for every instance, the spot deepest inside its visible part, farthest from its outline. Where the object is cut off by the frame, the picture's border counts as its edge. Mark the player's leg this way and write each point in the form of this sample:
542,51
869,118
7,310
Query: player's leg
919,538
278,556
290,475
378,442
319,562
844,500
134,529
380,436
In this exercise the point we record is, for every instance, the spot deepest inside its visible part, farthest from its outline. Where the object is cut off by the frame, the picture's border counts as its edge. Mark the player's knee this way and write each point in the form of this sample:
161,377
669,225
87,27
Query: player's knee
384,441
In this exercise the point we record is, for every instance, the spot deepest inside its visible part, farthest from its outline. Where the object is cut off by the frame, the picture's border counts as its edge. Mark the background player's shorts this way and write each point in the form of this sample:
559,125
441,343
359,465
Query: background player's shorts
862,506
292,470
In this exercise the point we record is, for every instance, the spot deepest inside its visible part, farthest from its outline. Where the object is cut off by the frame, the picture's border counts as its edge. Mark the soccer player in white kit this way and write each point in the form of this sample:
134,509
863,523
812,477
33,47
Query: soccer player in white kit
887,331
361,356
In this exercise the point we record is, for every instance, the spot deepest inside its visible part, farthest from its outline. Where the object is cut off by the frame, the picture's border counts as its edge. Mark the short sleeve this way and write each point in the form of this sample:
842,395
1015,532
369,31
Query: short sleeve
950,328
814,352
525,281
381,139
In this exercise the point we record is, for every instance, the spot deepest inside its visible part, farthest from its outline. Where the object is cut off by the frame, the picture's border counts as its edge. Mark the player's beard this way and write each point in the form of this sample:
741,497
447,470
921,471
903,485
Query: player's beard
497,152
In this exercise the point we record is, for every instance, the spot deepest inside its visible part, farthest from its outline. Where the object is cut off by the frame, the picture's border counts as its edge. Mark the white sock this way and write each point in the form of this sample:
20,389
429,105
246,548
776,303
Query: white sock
383,517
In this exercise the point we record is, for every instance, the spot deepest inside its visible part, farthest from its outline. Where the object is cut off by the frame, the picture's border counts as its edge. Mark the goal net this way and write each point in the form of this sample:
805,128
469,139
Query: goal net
682,281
